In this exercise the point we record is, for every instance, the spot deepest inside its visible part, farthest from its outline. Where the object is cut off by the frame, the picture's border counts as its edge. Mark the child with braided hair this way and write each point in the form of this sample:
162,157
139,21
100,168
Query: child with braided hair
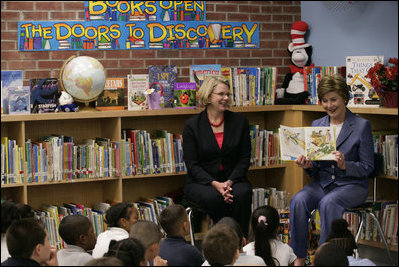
264,225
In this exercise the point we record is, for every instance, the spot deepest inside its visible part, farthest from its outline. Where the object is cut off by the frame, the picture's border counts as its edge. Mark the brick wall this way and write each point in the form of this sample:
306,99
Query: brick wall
275,17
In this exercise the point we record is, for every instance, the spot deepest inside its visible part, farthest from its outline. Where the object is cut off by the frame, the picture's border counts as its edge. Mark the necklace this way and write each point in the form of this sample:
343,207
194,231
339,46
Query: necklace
217,125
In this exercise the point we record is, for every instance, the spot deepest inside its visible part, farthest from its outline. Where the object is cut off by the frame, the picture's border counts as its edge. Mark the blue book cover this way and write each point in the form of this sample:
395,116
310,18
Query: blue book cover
9,79
19,100
162,79
198,73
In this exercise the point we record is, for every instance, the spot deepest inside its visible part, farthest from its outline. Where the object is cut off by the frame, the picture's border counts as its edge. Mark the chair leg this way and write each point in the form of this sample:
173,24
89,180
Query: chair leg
382,236
189,211
359,229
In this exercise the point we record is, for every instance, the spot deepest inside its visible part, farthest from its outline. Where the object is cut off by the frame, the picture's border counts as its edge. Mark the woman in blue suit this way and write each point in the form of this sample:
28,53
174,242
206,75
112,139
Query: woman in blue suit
338,184
217,150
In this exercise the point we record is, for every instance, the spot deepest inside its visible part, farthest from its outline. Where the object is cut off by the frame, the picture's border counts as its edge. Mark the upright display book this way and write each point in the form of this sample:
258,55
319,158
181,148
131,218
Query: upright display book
163,78
316,143
137,84
113,95
10,79
19,100
185,95
362,93
43,95
198,73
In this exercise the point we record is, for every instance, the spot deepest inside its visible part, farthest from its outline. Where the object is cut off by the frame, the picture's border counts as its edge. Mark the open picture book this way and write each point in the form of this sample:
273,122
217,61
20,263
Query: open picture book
316,143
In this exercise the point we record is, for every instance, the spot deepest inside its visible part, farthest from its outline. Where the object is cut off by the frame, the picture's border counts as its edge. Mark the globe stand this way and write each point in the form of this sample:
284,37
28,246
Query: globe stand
85,106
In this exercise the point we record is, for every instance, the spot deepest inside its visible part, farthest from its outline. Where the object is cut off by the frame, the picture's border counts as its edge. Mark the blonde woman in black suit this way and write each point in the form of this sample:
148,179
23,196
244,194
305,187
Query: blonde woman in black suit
216,149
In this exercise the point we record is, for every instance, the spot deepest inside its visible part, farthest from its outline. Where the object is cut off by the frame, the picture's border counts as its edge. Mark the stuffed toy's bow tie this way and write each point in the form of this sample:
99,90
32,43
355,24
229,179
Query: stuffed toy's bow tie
295,69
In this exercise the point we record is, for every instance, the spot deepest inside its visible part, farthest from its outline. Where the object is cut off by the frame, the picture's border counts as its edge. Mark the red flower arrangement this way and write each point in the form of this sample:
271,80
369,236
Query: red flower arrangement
384,78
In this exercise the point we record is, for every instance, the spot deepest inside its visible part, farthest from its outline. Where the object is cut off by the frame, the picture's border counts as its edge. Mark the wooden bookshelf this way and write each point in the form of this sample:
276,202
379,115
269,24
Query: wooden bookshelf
82,125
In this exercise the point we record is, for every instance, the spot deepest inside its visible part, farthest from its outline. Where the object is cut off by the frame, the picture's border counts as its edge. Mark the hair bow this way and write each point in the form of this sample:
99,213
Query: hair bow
262,219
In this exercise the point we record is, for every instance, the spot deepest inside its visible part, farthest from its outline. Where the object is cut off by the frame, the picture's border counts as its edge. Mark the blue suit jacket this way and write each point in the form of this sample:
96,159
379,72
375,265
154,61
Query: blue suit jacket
356,143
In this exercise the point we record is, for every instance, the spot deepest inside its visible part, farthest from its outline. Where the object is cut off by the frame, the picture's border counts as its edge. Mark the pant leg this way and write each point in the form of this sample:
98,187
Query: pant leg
301,206
241,206
334,203
208,198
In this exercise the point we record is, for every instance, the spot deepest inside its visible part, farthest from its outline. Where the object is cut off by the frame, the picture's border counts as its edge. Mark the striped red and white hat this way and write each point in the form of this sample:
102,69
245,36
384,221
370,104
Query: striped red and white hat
298,31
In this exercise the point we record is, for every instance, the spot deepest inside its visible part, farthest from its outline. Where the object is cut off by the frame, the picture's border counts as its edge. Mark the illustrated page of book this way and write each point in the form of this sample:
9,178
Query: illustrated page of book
292,142
320,142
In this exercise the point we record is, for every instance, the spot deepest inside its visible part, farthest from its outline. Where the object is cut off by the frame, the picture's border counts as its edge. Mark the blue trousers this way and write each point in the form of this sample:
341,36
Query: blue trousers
331,202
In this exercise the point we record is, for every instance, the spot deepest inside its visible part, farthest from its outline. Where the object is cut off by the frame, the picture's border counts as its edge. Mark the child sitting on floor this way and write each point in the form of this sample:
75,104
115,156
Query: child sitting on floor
77,232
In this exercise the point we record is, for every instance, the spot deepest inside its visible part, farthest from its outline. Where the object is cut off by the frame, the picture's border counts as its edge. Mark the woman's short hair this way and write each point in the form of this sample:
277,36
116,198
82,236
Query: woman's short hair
333,83
207,88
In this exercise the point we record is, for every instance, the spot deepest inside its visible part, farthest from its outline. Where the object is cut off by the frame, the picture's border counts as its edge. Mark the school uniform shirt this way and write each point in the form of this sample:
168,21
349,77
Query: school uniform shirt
103,240
19,262
73,256
281,251
4,249
245,260
178,252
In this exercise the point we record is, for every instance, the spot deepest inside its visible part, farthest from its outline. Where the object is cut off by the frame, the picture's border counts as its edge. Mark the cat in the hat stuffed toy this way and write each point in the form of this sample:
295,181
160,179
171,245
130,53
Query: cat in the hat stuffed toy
293,90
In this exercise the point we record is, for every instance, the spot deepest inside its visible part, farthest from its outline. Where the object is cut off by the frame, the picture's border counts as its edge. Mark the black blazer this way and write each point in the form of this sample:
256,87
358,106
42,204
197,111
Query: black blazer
203,156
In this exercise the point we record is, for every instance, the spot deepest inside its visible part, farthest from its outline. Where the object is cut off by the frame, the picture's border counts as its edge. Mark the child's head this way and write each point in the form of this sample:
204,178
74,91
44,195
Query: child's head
265,221
236,227
341,236
121,215
28,239
130,251
220,245
149,235
77,230
174,220
329,254
11,211
105,261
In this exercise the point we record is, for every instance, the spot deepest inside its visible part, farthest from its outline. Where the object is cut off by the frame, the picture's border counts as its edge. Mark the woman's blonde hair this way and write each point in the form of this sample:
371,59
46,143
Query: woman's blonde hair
207,88
333,83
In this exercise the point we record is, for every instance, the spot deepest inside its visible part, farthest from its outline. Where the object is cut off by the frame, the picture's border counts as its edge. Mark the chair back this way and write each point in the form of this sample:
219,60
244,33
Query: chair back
378,163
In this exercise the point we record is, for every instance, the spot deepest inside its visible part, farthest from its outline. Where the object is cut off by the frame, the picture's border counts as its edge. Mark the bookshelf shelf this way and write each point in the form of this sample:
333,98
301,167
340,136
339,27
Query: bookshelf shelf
378,244
82,125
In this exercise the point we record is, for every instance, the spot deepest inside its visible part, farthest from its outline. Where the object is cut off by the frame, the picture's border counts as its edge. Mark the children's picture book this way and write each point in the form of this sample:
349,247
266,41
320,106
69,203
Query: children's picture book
162,79
10,79
316,143
113,95
185,95
19,100
43,95
198,73
137,84
362,93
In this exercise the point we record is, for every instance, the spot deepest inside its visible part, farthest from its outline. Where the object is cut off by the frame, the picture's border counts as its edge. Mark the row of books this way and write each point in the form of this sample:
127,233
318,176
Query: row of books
264,147
387,214
12,162
386,143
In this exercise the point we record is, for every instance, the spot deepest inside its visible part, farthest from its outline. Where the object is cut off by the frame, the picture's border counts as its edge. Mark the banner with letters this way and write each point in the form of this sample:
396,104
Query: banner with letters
105,35
145,11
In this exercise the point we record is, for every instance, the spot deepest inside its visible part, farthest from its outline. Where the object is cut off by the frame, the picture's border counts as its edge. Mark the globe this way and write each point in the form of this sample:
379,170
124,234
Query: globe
83,78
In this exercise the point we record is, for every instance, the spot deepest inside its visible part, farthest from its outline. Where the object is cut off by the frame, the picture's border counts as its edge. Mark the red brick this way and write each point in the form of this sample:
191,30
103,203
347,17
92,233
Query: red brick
265,35
9,55
155,62
167,54
12,25
143,53
226,8
238,17
110,63
261,18
63,54
271,62
28,16
5,36
284,3
281,18
69,5
209,8
239,53
292,9
261,53
35,55
50,64
250,9
280,35
192,53
117,54
97,54
216,16
63,15
181,62
216,53
271,26
272,9
21,64
139,71
36,74
250,62
8,45
131,63
203,61
9,15
4,63
55,5
80,16
118,72
280,53
268,44
228,62
18,5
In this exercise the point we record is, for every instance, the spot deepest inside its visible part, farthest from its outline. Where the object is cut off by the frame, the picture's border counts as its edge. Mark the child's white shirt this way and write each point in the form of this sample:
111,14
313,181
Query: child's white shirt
73,256
105,238
281,251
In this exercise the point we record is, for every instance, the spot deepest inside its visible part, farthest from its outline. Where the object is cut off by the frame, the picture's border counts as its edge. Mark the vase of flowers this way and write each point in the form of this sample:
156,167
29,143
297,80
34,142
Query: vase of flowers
385,81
